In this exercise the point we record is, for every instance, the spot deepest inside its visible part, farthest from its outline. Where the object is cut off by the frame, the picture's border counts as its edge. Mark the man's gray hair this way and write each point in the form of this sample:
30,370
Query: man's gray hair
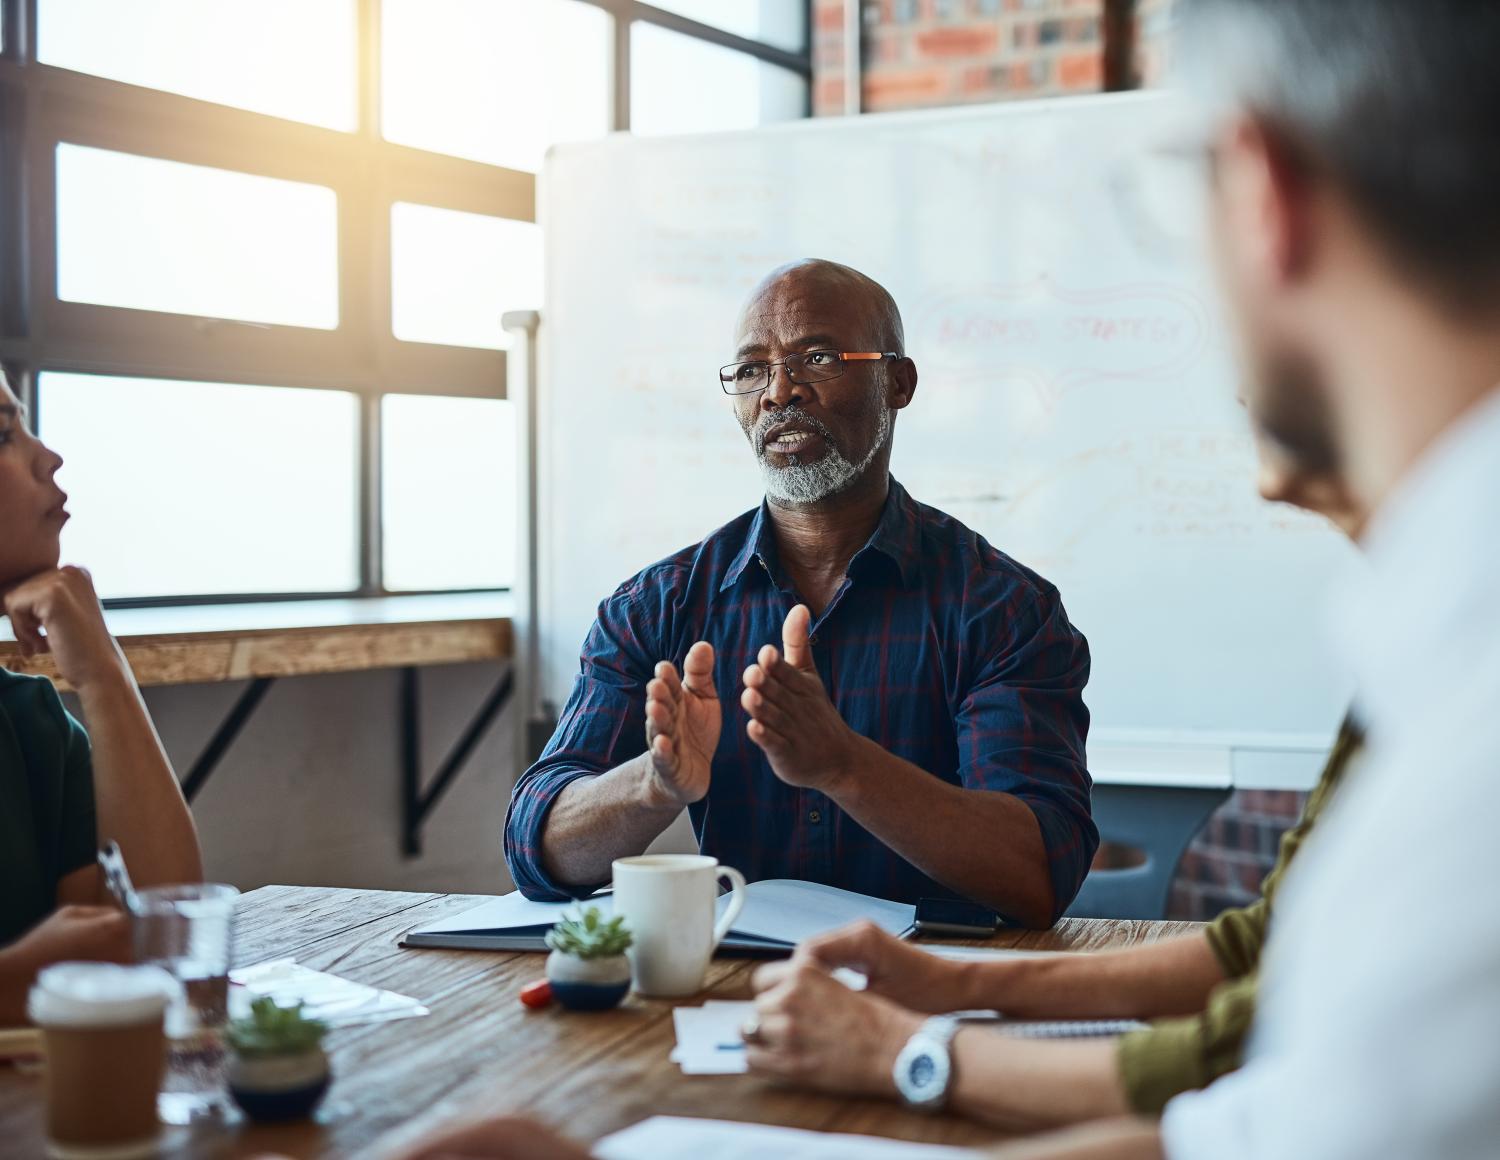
1397,102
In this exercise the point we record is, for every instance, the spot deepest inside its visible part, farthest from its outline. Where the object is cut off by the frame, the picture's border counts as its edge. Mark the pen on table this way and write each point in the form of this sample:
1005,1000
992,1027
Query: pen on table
117,877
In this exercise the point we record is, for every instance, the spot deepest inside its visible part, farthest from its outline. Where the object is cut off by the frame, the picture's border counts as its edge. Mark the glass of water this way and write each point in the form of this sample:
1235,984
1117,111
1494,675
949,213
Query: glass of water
188,930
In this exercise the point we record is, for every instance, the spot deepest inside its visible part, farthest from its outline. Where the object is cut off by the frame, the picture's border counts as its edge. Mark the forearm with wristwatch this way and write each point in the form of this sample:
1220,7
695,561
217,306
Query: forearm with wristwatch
1018,1084
924,1070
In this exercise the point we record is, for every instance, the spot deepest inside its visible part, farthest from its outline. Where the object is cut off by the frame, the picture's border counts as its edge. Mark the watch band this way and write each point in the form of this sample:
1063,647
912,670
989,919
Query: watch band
942,1028
923,1070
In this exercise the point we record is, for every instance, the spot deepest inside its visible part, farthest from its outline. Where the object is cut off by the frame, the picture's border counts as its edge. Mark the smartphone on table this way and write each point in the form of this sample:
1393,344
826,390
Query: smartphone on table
953,918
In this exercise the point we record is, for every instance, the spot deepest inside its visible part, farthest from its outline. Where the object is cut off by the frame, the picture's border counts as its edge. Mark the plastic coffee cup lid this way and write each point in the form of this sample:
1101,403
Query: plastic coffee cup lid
100,995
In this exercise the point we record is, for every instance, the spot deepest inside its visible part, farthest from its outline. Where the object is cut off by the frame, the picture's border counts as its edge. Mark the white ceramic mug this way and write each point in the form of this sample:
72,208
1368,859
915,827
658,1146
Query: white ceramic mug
668,903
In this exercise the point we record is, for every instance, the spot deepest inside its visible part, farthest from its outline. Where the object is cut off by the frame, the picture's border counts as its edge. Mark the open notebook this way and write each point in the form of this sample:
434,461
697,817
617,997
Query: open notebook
779,913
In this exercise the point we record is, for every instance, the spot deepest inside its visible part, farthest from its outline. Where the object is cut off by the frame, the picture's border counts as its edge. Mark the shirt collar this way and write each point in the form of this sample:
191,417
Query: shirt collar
897,536
1432,569
758,543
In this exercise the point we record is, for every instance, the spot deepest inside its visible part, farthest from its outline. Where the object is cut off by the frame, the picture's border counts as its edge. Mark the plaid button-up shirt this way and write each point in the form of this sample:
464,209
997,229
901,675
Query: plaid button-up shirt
938,647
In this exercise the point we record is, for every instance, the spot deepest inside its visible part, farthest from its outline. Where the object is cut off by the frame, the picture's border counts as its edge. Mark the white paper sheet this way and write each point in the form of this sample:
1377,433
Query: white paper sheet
678,1138
708,1037
337,1001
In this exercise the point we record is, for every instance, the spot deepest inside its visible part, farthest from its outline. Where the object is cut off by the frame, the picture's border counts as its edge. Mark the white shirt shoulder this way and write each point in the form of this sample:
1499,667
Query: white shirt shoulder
1378,1034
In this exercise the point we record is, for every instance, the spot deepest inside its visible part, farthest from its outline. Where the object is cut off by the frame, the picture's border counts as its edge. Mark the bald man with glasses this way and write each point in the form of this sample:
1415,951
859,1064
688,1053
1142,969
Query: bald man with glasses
918,733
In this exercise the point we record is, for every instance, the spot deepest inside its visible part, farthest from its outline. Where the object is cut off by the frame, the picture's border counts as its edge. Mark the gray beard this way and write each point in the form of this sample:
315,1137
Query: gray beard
802,483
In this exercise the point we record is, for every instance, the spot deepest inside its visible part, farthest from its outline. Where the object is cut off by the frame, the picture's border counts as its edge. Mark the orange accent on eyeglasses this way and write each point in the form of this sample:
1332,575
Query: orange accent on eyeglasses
746,378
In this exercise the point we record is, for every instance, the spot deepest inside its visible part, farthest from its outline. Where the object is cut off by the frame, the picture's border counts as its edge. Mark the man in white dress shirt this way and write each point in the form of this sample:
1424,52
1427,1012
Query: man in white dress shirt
1354,147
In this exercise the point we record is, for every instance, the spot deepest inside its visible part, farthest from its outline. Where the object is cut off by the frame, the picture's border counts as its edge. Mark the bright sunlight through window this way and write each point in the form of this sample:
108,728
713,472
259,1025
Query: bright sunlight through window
448,473
494,82
681,85
182,488
289,58
454,274
161,235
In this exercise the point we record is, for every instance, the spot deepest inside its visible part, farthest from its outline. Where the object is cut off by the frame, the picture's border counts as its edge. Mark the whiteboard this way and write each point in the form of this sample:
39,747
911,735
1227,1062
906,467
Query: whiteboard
1075,404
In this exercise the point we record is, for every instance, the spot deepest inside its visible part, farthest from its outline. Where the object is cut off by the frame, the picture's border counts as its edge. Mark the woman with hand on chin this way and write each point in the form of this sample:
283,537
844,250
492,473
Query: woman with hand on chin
64,792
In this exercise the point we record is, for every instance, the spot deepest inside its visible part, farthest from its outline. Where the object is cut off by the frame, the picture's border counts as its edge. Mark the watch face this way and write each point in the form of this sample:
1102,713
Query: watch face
922,1072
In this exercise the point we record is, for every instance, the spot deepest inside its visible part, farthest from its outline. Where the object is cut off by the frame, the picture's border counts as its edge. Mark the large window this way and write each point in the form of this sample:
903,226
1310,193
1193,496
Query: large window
254,255
160,235
227,489
517,76
288,58
455,274
679,84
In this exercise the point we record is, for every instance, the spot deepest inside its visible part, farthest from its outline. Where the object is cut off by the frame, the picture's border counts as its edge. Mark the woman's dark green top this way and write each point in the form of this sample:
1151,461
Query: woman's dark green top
47,827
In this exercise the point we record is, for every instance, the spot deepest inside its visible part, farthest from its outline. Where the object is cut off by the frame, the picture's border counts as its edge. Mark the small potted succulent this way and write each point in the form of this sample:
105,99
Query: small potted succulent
277,1068
587,968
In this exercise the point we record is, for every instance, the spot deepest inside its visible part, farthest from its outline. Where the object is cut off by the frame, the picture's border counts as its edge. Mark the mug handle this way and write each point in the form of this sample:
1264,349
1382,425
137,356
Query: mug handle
736,902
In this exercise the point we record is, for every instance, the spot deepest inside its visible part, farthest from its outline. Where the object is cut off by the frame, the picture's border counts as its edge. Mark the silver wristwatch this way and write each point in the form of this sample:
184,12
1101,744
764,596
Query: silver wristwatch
924,1069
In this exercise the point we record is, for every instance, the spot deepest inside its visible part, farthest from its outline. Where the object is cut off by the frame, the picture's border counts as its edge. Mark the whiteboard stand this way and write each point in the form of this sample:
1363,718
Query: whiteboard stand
538,715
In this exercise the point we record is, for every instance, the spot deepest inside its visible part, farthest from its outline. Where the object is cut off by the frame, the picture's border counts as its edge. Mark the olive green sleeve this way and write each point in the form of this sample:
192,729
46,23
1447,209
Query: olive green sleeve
1238,935
1178,1055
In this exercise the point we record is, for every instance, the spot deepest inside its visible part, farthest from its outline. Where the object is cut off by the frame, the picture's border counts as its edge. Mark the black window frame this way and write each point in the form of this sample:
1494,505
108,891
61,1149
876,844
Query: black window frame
42,106
628,12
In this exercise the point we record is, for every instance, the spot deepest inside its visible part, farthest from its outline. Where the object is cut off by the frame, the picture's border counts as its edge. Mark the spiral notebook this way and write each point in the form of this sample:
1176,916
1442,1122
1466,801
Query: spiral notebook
1068,1028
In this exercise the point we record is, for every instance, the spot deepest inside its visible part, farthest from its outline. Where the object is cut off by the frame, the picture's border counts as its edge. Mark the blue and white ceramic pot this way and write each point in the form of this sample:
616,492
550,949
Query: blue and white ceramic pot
588,984
279,1087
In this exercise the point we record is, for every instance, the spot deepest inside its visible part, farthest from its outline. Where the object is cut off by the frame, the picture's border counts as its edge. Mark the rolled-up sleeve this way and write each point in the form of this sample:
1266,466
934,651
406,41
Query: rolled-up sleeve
1173,1056
602,726
1022,729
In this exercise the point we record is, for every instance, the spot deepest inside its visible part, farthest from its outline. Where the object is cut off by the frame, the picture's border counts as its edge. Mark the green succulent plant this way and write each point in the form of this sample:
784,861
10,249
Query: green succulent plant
273,1030
588,936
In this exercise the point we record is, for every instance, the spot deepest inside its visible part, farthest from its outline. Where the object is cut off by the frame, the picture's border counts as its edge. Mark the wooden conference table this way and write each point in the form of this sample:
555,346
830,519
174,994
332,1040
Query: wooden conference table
586,1074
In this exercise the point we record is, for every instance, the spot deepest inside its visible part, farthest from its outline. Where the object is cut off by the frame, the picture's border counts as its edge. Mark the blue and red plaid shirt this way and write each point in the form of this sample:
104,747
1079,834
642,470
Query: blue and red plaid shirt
936,646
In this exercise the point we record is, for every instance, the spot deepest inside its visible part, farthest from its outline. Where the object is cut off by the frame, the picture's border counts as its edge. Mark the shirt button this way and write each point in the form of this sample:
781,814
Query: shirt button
815,816
813,639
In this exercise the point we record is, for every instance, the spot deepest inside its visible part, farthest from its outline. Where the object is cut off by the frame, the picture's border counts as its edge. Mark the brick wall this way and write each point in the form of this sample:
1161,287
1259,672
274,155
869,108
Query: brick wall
1233,852
922,53
828,56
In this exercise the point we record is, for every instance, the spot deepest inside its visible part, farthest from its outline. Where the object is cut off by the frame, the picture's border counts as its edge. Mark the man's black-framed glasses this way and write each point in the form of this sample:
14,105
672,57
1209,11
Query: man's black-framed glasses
814,366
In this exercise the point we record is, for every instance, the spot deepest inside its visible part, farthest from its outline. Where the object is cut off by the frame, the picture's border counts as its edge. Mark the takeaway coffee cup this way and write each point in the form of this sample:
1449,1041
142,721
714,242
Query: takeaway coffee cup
667,900
103,1029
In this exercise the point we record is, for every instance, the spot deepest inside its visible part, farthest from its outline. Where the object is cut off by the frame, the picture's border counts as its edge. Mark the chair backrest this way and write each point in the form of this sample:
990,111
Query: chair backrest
1161,822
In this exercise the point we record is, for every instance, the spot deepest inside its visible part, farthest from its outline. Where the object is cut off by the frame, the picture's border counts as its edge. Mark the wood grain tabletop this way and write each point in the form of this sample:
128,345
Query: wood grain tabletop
481,1051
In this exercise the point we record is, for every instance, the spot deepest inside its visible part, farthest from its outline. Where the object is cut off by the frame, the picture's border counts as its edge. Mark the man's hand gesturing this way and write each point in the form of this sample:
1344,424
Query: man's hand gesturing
791,717
682,728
